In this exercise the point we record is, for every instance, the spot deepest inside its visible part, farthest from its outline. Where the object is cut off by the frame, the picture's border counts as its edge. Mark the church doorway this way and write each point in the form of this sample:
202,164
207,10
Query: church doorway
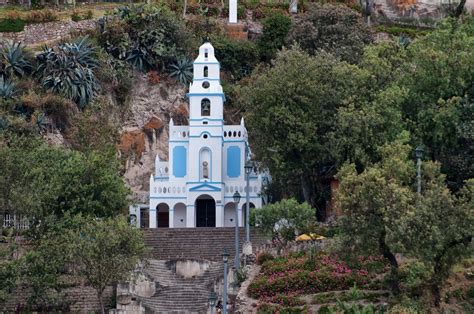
244,212
205,211
163,215
144,218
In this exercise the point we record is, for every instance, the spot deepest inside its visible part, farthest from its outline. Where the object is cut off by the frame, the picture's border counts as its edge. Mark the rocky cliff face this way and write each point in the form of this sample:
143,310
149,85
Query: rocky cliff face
145,131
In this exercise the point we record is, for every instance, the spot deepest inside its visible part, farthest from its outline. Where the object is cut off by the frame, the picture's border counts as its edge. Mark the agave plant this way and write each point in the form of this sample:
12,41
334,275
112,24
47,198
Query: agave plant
15,60
182,70
7,88
68,70
41,122
140,58
3,123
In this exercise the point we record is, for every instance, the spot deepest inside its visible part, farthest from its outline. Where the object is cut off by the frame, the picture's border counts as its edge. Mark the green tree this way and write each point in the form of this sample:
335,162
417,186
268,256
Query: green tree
335,29
284,220
439,106
292,109
39,180
107,250
275,30
373,201
236,57
383,214
439,231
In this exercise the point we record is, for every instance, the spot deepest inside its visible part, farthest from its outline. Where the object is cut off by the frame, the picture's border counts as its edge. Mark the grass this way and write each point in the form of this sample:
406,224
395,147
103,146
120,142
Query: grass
12,25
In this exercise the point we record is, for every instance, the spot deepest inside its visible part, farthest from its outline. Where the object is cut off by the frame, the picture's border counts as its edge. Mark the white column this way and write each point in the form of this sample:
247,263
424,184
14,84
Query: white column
152,217
241,217
171,218
232,11
219,216
190,223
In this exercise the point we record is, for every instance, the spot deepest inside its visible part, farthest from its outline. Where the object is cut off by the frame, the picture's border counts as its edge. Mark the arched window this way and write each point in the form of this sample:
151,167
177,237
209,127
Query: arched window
205,107
206,53
206,71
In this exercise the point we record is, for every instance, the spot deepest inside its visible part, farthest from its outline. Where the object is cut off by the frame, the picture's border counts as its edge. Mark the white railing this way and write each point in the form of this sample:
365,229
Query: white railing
14,221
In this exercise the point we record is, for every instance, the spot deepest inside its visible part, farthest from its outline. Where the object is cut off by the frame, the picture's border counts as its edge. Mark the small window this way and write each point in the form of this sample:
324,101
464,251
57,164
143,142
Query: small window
205,107
206,54
205,136
204,122
235,134
205,84
206,71
225,133
239,133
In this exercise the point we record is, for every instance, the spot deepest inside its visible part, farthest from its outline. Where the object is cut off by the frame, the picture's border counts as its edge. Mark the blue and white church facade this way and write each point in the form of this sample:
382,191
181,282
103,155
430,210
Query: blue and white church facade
195,187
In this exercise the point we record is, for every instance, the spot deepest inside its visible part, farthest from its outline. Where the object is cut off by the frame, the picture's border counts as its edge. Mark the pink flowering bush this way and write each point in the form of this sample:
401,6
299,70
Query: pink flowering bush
295,276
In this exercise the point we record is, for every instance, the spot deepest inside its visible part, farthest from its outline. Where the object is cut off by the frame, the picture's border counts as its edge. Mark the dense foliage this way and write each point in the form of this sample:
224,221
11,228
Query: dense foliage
38,180
284,220
301,95
148,37
97,251
275,30
68,70
383,214
312,274
236,58
108,251
335,29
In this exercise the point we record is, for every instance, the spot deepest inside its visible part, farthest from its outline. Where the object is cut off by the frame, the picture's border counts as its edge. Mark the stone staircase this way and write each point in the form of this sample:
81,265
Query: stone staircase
166,247
196,243
175,293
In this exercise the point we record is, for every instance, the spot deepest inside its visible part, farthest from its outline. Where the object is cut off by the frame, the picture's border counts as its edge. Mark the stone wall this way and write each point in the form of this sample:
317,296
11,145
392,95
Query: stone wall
82,299
38,33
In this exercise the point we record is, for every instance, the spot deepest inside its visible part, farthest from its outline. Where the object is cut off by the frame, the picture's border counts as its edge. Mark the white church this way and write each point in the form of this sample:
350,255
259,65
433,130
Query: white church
195,187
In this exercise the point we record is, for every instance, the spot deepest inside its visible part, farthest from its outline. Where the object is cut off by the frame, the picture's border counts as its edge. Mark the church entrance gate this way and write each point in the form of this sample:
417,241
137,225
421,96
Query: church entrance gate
205,211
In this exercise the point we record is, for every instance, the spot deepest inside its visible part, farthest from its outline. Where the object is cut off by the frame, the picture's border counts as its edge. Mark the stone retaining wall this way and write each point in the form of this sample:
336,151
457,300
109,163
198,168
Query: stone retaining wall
38,33
82,299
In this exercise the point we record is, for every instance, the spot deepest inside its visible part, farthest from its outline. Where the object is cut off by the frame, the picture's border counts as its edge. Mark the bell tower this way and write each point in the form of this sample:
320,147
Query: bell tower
206,97
206,113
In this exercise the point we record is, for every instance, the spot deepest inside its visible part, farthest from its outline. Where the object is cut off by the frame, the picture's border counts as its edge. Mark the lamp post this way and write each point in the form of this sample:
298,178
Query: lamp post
248,170
225,258
212,301
237,258
419,154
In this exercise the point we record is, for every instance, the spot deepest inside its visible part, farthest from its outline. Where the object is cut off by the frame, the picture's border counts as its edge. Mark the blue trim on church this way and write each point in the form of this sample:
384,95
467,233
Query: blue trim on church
205,187
233,161
179,161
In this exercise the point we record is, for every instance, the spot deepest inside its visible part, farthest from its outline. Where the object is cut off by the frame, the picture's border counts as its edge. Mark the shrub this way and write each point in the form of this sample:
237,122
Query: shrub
335,29
8,25
147,36
7,88
413,278
75,16
236,57
15,60
286,300
42,16
182,70
68,70
153,78
285,219
275,30
263,257
89,15
293,275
